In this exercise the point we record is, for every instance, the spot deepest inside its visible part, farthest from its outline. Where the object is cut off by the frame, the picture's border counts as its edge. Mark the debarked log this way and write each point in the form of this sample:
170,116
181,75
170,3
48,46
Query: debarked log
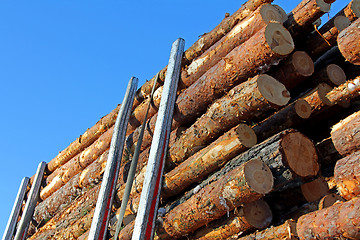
348,42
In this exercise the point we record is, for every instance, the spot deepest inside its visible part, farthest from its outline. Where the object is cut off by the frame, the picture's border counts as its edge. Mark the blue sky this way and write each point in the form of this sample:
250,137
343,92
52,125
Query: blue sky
65,64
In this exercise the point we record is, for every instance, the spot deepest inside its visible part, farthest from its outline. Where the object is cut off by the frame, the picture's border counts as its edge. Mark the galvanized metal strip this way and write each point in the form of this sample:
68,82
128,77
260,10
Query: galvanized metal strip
103,206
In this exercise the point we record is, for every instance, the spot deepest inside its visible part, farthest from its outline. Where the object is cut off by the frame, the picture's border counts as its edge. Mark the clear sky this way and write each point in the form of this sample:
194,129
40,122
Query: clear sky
65,64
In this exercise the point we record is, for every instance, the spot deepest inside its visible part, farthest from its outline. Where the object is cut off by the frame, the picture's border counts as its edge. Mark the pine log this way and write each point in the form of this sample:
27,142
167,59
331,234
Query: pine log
345,92
252,215
300,19
249,100
328,155
329,200
85,140
238,35
268,46
340,221
348,43
315,190
285,231
347,175
317,98
332,74
246,183
346,134
293,70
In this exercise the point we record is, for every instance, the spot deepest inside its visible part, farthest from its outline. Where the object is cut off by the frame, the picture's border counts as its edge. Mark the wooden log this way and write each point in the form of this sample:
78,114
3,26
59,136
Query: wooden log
293,70
348,40
347,175
238,35
243,184
346,134
285,231
252,215
268,46
249,100
328,155
315,190
300,19
340,221
332,74
317,98
329,200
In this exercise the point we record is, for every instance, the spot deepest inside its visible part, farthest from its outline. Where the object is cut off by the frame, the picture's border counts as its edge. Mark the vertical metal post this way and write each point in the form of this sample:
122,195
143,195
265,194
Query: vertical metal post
10,227
149,200
100,221
30,203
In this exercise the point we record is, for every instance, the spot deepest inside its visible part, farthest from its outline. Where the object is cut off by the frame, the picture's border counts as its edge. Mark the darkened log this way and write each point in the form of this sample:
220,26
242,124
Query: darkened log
329,200
293,70
348,43
340,221
346,134
332,74
268,46
315,190
285,231
347,175
249,100
252,215
238,35
328,155
243,184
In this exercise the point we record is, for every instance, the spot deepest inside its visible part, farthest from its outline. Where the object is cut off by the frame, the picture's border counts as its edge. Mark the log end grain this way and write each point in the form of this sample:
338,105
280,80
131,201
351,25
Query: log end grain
300,154
302,108
315,190
329,200
258,176
341,22
246,135
279,39
258,214
355,7
271,13
272,90
336,74
323,5
282,13
302,63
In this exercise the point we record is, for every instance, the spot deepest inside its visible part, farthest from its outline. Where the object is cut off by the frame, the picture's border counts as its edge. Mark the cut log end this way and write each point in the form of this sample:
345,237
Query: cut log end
282,13
300,154
324,5
322,90
355,7
329,200
279,39
341,22
336,74
270,13
303,64
315,190
258,214
246,135
317,23
258,176
303,108
272,90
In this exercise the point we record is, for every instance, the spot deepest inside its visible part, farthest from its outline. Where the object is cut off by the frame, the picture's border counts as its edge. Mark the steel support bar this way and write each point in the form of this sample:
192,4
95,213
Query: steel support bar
100,220
149,200
30,203
10,227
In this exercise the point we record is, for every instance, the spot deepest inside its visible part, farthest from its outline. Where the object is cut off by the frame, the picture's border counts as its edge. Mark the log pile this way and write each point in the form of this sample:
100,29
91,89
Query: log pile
264,143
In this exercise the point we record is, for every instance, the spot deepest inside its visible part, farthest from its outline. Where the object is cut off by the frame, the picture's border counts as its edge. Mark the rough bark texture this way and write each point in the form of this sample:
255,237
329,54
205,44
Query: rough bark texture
84,140
285,231
216,199
317,98
346,134
265,48
347,175
249,100
348,43
340,221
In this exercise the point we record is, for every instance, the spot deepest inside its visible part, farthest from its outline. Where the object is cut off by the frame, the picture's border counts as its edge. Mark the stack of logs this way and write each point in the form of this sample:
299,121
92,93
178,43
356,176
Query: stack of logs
256,142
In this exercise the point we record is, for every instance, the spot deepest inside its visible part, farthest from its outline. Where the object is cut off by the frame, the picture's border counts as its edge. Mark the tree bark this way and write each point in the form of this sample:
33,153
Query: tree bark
348,43
346,134
347,175
246,183
317,98
249,100
339,221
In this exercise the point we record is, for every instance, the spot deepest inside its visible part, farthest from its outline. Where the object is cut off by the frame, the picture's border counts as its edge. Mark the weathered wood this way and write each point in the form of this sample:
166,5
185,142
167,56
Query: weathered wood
346,134
252,215
348,42
243,184
332,74
285,231
347,175
339,221
249,100
268,46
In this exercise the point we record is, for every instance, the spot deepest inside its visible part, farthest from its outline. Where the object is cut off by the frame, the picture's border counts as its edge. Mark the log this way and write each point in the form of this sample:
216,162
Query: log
346,134
328,155
348,43
85,140
332,74
315,190
317,98
340,221
268,46
285,231
293,70
246,183
347,175
240,33
329,200
249,100
252,215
